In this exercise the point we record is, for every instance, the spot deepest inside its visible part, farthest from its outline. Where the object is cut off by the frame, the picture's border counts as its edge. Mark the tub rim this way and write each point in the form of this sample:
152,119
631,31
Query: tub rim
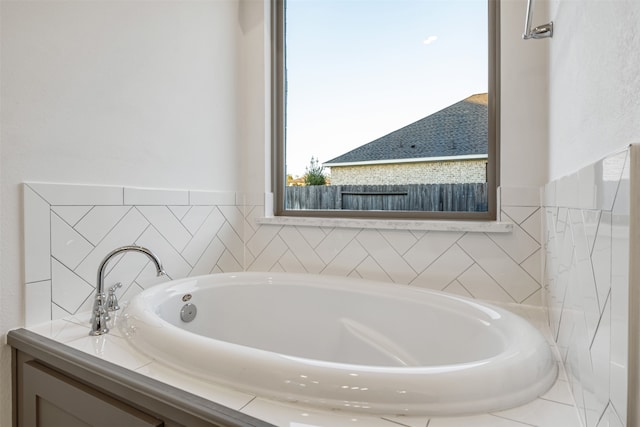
508,359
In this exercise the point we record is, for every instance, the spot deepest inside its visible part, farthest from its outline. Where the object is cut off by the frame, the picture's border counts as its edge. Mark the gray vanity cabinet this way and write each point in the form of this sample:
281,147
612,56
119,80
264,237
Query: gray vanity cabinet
50,399
58,386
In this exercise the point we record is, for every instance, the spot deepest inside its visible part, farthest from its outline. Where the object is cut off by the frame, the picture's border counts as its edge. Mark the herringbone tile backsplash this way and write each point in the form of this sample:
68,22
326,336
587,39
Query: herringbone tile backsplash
70,228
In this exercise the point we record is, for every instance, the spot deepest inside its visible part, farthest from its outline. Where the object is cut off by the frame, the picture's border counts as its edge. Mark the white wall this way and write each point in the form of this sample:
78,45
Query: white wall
594,104
111,92
524,98
593,112
253,101
173,95
524,91
121,91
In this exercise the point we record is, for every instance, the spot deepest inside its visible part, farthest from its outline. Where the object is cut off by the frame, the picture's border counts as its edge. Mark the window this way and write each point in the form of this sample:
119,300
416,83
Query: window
390,107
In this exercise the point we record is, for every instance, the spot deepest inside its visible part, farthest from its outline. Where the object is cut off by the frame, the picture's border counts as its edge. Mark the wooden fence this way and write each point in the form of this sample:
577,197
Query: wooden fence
414,197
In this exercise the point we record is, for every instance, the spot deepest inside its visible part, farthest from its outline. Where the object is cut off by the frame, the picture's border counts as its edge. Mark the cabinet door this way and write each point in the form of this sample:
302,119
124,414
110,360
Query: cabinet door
51,399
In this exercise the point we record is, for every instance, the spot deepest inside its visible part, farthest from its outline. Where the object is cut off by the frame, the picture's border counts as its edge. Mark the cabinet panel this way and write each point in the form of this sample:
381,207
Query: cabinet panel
69,387
51,399
49,415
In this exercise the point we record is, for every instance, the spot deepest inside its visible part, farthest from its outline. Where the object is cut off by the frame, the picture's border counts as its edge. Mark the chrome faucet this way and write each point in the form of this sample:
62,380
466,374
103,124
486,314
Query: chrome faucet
100,313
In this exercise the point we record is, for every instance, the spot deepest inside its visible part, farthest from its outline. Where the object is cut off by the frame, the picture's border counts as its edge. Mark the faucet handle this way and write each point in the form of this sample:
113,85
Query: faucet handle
112,300
100,317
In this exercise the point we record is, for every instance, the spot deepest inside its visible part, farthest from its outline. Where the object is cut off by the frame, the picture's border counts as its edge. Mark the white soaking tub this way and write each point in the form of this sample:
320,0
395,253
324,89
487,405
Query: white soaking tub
343,343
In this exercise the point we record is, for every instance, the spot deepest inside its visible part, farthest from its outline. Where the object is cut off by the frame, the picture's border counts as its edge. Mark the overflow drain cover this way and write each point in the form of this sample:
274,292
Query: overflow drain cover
188,312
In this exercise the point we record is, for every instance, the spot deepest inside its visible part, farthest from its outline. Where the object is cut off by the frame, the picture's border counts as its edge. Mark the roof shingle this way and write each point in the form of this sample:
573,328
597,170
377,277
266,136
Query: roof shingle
457,130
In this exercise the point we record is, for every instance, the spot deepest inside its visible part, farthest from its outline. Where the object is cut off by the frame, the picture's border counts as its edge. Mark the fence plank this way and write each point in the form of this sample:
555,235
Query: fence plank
468,197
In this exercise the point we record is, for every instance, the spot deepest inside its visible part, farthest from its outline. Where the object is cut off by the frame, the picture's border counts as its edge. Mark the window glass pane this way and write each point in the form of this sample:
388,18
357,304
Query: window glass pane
386,105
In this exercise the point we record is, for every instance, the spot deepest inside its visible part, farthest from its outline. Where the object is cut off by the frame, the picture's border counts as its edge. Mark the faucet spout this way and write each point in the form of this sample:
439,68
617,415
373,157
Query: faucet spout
100,314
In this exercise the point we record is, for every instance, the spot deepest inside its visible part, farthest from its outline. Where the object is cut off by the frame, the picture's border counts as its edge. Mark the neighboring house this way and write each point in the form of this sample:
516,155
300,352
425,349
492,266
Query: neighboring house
449,146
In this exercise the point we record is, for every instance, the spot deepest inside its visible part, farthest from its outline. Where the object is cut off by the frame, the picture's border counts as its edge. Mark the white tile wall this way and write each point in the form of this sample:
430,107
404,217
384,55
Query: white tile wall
504,267
70,228
586,231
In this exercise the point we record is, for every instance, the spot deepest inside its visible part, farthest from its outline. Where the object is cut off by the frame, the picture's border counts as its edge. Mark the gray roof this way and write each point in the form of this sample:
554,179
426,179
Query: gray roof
458,130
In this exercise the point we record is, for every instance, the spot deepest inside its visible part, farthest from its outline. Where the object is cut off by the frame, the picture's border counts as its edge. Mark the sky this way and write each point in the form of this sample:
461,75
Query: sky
360,69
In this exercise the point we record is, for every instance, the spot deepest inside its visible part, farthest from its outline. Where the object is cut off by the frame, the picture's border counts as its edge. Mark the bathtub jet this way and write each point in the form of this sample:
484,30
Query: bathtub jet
344,343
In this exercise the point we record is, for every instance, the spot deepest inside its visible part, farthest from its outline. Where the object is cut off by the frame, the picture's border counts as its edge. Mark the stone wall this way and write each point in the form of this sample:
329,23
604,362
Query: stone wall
412,173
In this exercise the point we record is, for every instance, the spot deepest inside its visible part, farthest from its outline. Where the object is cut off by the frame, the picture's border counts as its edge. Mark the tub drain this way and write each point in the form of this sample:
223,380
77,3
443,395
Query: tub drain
188,312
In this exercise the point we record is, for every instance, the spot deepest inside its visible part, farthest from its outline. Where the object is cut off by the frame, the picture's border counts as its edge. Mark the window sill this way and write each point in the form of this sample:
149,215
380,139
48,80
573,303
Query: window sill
382,224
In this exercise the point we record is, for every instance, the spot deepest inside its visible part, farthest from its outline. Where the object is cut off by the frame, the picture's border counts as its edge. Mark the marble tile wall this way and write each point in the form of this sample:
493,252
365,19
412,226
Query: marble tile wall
586,244
70,228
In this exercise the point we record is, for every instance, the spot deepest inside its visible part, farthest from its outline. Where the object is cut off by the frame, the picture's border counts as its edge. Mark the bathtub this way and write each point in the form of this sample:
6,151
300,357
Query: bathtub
343,343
